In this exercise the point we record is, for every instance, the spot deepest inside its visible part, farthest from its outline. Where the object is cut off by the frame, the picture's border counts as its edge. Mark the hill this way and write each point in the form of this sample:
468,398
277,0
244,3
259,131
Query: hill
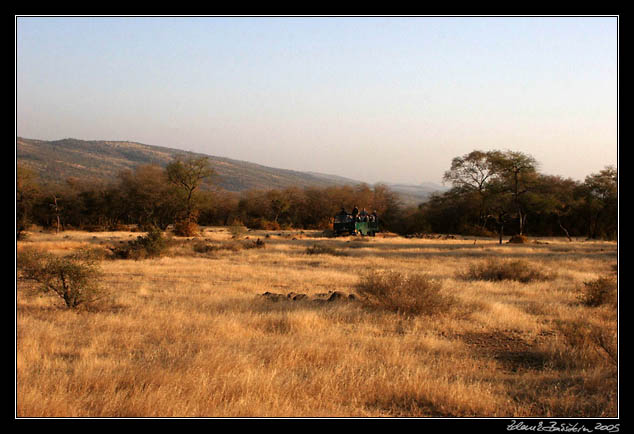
102,160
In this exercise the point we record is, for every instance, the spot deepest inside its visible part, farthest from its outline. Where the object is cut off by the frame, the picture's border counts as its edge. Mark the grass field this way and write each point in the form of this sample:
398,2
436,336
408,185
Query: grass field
190,334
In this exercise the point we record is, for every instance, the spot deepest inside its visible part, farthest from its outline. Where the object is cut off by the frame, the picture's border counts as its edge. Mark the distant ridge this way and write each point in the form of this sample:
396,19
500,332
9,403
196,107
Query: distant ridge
102,160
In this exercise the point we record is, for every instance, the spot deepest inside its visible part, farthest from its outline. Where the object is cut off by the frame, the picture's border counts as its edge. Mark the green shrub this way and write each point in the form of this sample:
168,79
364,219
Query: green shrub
416,294
74,278
600,291
499,270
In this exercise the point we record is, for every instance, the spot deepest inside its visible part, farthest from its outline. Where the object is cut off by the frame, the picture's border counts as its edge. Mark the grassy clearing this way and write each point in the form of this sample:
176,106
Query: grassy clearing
188,334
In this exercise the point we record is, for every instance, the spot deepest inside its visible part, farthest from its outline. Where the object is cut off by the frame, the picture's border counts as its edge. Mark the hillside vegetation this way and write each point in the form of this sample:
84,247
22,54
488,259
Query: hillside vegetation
102,160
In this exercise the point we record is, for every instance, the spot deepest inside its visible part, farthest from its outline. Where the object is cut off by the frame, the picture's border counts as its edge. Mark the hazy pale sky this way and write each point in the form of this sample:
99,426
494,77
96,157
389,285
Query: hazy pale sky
372,98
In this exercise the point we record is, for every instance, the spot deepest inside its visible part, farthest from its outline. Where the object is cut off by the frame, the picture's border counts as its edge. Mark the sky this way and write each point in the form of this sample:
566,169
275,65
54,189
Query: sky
377,99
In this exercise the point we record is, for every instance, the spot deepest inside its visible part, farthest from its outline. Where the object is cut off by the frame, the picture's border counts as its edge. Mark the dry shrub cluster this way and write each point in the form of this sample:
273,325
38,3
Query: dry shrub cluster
264,224
233,246
415,294
152,245
600,291
317,249
237,229
518,239
75,278
257,244
586,341
205,247
186,228
497,270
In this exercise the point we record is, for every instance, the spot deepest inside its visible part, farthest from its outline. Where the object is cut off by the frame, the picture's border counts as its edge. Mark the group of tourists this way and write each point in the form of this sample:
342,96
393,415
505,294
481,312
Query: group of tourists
357,216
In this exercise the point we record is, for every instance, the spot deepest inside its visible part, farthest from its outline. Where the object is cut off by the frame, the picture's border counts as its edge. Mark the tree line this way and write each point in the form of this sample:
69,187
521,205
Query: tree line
492,193
498,193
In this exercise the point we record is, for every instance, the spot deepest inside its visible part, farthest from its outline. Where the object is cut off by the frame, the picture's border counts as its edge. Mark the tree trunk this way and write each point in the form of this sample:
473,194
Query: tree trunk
522,220
484,220
501,231
563,228
56,211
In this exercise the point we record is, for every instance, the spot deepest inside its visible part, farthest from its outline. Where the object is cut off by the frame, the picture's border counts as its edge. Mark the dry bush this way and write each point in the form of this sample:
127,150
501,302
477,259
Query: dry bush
94,228
257,244
232,246
237,230
317,249
263,224
203,247
415,294
600,291
149,246
186,228
75,278
327,233
518,239
499,270
586,341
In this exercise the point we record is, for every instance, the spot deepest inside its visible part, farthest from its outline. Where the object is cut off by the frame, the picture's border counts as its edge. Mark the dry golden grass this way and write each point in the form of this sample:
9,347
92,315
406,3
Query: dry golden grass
189,334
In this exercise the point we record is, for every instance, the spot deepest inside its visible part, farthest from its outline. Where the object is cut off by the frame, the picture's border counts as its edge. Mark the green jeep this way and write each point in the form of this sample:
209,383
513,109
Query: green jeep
345,224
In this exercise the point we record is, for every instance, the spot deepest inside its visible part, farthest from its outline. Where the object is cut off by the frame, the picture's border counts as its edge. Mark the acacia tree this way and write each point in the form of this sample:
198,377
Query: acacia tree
279,203
517,173
555,196
449,212
150,197
471,175
253,207
497,181
601,196
187,175
499,203
217,207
